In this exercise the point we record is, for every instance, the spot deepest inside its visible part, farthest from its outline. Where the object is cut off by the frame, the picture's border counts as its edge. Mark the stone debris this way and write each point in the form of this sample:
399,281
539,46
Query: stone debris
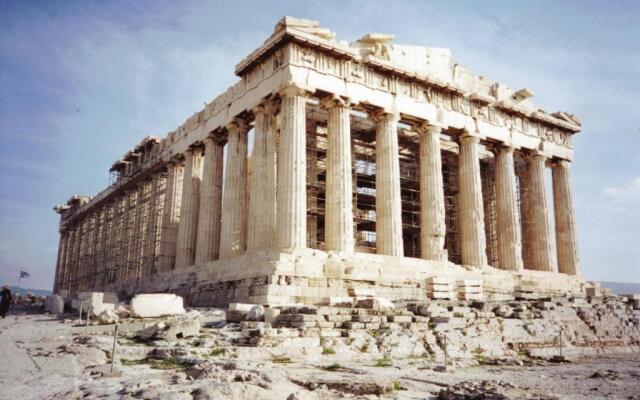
156,305
180,326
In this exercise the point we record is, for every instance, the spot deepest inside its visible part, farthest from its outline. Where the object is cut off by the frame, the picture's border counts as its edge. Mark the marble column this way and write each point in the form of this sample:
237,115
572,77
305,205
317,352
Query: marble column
338,195
432,217
539,214
566,244
209,226
59,261
188,226
388,200
470,203
262,186
291,216
509,239
170,216
233,240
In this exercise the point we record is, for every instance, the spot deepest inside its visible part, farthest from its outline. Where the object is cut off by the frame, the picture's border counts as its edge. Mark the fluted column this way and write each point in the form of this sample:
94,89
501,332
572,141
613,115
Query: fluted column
539,214
170,216
292,186
233,241
338,223
470,202
188,226
209,226
59,261
388,200
432,222
262,185
509,238
566,244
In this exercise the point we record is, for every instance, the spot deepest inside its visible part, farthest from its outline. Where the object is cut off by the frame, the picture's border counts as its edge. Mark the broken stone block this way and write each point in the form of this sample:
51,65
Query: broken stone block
177,327
593,292
362,292
339,301
156,305
108,316
236,315
241,307
375,303
270,314
256,313
56,304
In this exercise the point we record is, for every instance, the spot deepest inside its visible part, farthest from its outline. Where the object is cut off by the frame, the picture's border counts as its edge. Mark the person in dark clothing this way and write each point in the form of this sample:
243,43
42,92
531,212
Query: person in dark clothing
5,301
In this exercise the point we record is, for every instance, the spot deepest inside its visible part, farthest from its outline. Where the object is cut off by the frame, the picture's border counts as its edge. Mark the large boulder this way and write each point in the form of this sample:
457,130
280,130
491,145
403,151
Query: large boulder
156,305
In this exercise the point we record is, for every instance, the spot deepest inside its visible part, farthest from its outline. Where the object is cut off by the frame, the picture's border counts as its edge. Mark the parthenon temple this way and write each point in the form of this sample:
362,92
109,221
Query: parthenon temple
329,166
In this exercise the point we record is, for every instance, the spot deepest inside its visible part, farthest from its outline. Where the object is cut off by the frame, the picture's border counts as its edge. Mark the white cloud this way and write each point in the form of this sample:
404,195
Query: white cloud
628,193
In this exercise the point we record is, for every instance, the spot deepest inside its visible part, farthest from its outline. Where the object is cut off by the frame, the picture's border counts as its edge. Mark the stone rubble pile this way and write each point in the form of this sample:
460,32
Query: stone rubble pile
485,331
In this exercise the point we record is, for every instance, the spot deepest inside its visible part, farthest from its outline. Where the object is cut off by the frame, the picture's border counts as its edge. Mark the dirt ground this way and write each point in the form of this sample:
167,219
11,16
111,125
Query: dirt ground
44,357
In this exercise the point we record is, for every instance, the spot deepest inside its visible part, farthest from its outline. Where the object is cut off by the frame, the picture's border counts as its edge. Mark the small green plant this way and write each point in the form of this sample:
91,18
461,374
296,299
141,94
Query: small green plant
168,363
128,362
280,360
218,351
332,367
364,348
397,386
323,340
383,362
328,350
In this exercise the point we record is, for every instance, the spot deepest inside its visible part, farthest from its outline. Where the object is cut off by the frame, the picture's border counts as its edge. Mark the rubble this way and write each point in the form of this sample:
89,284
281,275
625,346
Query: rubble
180,326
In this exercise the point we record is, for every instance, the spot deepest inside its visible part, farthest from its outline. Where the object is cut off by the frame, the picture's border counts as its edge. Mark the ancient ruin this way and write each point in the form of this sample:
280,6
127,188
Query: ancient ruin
374,167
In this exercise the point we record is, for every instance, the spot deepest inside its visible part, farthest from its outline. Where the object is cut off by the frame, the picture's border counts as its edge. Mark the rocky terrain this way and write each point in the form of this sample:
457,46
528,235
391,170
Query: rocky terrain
369,349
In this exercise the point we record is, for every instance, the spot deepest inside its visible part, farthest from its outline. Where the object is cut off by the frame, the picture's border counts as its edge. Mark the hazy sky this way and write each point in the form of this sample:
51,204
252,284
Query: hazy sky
81,82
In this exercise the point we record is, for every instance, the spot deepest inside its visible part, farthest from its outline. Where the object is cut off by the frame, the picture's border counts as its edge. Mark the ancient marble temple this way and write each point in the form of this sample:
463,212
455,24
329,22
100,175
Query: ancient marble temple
332,165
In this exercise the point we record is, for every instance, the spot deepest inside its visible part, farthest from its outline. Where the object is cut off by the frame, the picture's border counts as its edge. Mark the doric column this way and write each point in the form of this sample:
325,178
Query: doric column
262,185
233,239
209,226
388,200
509,242
338,220
539,214
188,226
170,216
432,222
60,261
470,202
292,186
566,244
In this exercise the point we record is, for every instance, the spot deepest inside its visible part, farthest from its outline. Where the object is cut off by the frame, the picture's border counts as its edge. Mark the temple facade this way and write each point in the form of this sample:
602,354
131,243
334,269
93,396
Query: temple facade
331,166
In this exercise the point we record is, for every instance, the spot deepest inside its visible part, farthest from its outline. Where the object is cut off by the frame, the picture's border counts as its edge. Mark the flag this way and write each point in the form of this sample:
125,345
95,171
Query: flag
24,274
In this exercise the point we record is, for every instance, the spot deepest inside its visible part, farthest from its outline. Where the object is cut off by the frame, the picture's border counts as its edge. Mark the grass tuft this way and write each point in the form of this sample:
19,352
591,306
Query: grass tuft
280,360
332,367
383,362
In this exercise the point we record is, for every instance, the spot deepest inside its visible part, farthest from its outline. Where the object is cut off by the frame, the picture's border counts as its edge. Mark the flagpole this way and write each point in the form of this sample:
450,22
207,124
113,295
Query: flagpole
19,277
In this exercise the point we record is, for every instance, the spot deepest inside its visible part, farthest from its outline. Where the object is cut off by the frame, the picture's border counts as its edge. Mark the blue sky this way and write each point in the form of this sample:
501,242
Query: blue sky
81,82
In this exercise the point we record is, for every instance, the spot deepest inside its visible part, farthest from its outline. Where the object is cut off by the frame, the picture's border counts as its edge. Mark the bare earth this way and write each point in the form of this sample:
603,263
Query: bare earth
44,357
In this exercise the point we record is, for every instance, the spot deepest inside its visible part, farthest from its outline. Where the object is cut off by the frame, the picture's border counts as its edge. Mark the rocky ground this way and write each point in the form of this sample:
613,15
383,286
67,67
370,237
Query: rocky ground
55,357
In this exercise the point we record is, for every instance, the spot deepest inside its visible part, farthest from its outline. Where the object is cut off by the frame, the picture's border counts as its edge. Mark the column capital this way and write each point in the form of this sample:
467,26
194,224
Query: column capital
380,115
560,163
237,125
295,89
269,105
218,137
468,137
428,128
334,100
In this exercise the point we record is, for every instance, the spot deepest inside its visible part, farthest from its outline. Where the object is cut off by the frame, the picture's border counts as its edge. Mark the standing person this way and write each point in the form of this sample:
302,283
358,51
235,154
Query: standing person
5,300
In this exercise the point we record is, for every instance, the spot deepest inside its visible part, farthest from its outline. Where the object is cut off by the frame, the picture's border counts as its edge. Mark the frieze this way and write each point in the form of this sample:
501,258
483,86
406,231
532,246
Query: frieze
451,100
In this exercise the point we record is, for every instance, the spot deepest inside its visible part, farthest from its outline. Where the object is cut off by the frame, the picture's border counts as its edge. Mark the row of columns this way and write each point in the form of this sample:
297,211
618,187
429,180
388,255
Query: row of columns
202,222
282,223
